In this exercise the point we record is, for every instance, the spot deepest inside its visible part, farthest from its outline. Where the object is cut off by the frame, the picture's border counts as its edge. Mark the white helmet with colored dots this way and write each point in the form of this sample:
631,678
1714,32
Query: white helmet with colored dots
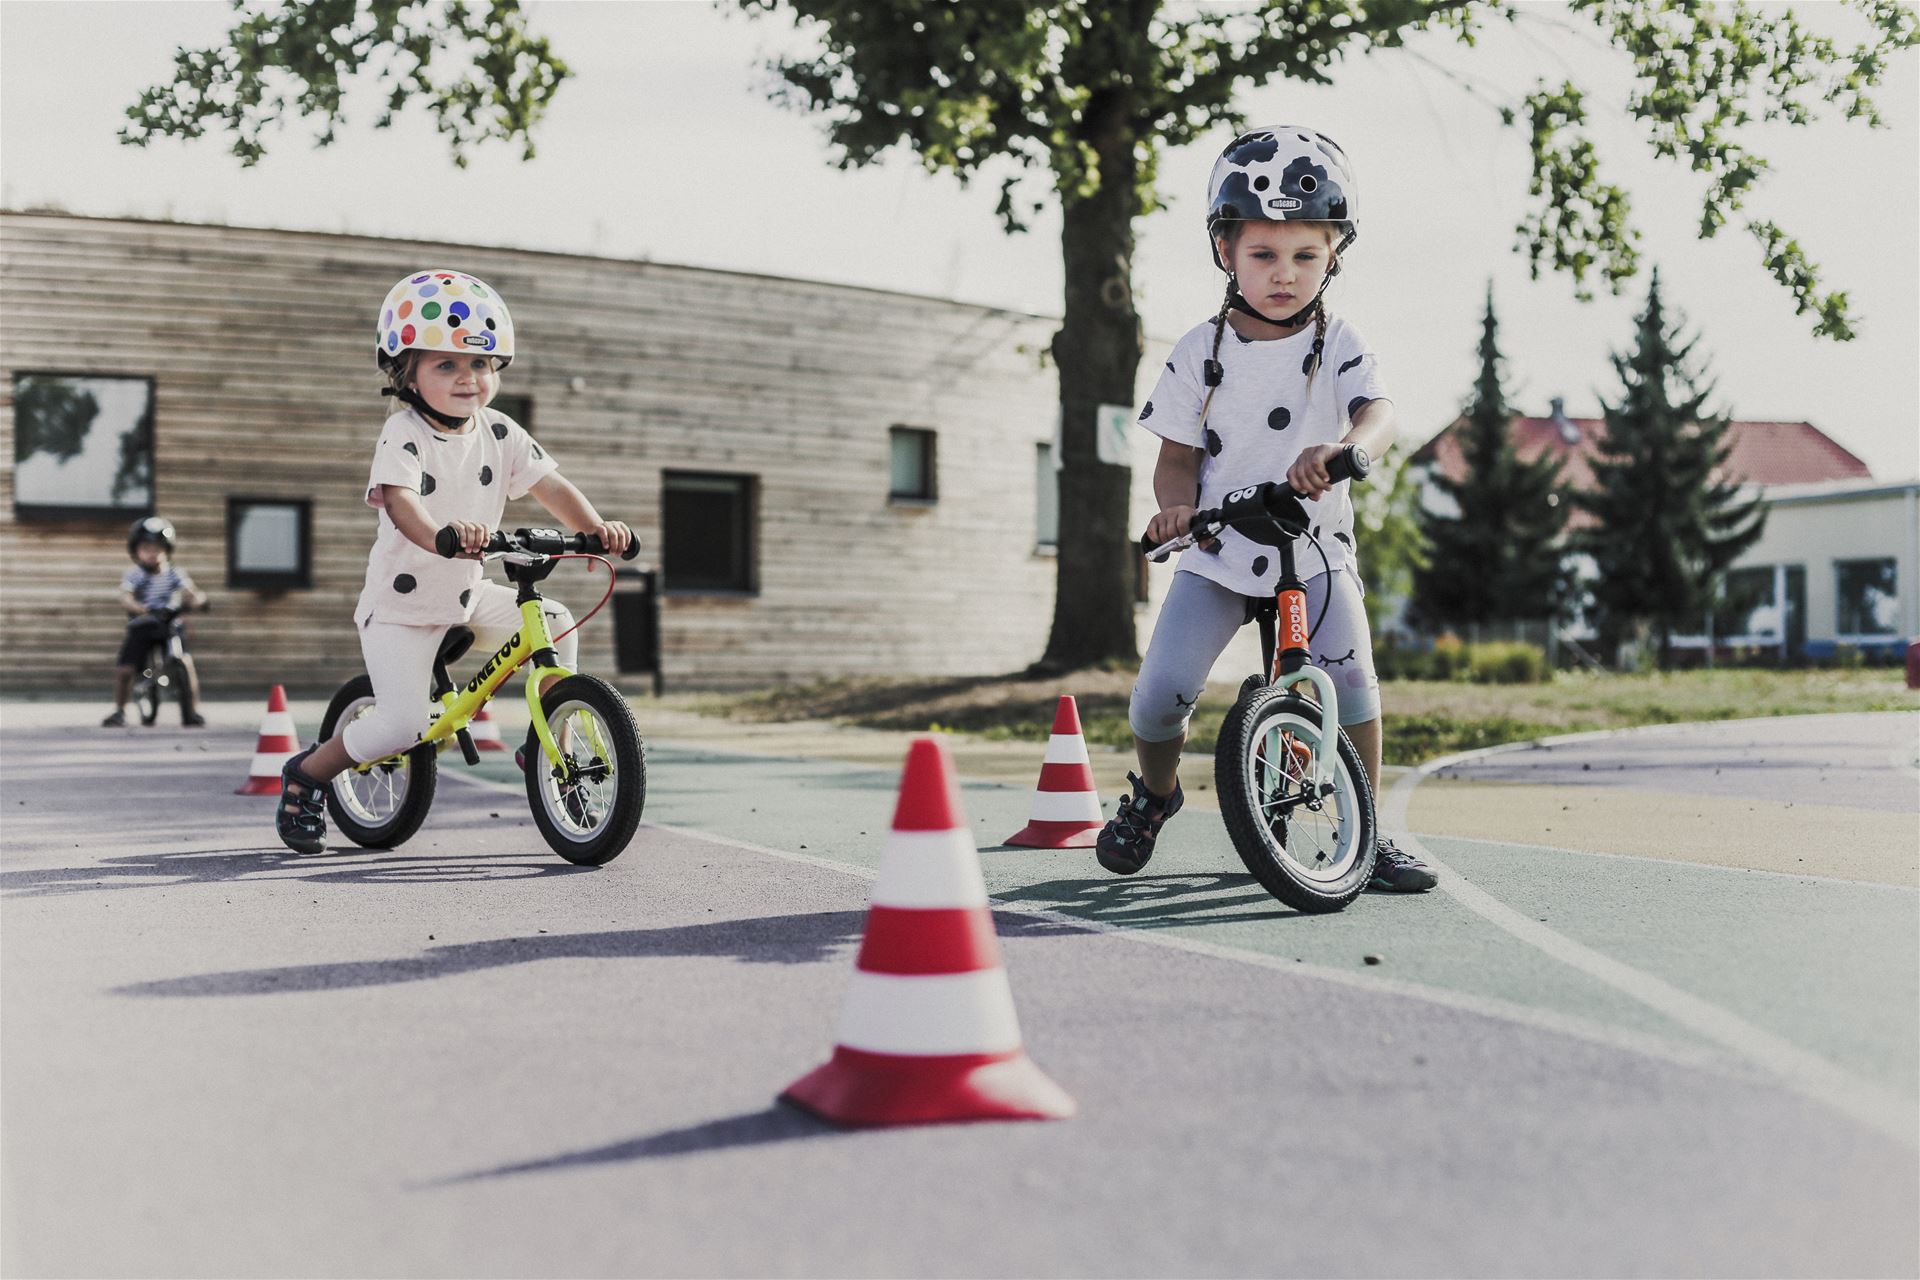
444,311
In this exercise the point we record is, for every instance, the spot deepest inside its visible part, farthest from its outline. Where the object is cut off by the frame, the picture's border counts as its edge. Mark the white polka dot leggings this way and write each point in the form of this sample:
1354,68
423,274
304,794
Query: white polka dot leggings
400,662
1200,617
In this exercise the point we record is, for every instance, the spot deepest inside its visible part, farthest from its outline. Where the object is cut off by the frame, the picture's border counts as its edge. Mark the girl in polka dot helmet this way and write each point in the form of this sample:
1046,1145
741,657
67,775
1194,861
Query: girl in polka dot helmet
1269,389
448,311
448,461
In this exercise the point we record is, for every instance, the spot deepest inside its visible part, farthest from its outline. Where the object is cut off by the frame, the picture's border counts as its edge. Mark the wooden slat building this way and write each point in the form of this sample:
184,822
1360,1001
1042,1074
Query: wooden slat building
786,395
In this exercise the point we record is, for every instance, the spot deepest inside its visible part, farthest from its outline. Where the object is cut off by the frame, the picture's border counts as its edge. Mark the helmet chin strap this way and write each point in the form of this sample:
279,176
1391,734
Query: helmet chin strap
1239,303
414,401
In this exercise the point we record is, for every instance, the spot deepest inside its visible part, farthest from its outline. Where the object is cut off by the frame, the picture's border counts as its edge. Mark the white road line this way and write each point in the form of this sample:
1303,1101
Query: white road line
1808,1073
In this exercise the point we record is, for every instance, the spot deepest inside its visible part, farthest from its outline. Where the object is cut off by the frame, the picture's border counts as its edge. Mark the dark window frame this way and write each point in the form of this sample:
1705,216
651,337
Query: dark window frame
929,493
1044,468
239,579
68,512
1841,603
517,397
746,530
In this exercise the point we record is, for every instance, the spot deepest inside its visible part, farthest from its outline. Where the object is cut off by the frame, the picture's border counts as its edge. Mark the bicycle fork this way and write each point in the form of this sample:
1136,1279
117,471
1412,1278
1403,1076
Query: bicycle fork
1288,663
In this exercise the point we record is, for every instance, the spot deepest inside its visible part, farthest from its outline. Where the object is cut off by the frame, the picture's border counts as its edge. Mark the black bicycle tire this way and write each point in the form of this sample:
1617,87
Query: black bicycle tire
1238,807
630,759
146,695
182,691
423,770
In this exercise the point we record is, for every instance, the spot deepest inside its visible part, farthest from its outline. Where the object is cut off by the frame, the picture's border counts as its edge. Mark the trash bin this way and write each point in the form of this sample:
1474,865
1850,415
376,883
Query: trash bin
1913,664
636,623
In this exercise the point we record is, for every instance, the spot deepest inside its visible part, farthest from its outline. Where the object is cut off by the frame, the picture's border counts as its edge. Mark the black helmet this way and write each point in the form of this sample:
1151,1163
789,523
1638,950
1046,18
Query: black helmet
151,529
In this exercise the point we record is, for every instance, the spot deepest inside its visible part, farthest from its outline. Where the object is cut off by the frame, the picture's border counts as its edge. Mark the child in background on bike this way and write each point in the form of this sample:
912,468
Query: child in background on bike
1291,388
442,340
146,589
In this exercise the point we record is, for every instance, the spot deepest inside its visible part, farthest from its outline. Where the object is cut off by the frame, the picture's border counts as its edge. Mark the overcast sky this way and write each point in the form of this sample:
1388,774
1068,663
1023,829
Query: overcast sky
667,120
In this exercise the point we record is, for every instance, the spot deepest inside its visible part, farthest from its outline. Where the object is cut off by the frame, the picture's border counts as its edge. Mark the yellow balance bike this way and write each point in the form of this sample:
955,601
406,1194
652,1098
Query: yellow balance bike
584,762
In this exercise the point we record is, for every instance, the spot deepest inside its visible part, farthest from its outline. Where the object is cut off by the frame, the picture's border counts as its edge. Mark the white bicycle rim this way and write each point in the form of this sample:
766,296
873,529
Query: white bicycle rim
1321,845
579,809
373,794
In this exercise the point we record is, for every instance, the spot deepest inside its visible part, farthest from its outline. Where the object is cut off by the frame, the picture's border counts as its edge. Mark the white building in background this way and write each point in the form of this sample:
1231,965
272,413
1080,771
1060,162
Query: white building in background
1838,567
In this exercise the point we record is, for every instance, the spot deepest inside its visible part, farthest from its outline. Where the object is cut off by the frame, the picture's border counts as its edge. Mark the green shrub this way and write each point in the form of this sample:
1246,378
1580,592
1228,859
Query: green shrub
1505,662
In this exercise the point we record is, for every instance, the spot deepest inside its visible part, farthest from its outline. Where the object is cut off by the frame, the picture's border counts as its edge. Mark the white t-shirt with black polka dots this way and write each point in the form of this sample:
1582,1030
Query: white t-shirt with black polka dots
1261,418
466,476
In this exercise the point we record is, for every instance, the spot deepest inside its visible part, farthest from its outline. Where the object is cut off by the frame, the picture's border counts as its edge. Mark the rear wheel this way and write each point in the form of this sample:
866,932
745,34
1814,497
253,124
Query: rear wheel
1313,852
378,805
588,805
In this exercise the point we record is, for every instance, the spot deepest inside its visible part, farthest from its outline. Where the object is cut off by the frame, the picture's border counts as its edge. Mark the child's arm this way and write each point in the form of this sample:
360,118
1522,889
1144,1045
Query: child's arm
1176,487
410,517
133,606
196,598
1373,430
570,507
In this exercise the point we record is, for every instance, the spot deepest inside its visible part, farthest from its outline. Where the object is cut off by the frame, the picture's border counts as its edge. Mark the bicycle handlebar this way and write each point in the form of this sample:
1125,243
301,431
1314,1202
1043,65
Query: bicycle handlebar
1270,501
540,542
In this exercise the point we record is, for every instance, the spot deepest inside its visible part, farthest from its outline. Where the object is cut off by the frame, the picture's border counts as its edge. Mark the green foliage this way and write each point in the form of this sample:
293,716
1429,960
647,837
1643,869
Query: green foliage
1703,72
482,74
1500,558
1452,659
51,417
1668,523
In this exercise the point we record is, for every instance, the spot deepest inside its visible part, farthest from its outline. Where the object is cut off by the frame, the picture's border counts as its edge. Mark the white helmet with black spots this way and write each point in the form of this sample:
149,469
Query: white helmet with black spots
1287,173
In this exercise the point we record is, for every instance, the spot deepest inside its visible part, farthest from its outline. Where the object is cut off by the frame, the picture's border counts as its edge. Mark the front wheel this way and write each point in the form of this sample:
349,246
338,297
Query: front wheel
149,686
1313,852
587,806
380,805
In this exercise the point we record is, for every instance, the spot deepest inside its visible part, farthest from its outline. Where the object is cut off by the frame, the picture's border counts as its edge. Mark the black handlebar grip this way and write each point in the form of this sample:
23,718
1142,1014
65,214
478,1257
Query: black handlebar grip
447,542
1351,463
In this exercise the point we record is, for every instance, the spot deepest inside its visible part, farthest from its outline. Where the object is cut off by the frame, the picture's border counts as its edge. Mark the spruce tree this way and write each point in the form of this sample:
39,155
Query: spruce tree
1668,523
1499,559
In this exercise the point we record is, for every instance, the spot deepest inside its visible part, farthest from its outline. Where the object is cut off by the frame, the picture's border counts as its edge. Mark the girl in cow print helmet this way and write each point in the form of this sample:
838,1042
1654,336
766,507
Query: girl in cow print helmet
1282,205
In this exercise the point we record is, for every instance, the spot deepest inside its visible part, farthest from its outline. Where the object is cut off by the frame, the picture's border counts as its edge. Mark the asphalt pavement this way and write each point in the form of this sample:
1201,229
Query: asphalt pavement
468,1057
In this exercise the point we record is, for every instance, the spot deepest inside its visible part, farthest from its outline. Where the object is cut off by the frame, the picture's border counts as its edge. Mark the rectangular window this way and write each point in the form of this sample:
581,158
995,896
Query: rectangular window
1866,601
910,464
269,544
519,408
1046,487
707,526
82,446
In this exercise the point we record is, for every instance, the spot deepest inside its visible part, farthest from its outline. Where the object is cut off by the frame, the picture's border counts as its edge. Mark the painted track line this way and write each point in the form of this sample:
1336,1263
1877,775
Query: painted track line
1881,1109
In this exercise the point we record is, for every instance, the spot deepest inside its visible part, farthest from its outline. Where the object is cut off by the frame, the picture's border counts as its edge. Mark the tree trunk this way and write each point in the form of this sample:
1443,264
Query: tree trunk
1097,351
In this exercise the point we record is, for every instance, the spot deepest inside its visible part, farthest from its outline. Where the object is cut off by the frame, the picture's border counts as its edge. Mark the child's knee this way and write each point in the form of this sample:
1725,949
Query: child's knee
1159,715
380,733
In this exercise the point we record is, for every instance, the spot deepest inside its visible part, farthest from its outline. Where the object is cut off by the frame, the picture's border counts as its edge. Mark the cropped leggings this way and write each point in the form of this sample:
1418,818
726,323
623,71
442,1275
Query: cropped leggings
1200,617
400,663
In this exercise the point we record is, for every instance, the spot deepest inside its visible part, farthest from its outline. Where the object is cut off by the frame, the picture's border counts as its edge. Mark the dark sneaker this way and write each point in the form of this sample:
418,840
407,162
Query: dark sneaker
1126,842
302,817
1397,871
194,720
116,720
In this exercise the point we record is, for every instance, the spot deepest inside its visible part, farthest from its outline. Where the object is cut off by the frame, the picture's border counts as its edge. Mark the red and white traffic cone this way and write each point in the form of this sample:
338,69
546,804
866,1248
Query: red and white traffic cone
279,742
485,730
928,1031
1066,804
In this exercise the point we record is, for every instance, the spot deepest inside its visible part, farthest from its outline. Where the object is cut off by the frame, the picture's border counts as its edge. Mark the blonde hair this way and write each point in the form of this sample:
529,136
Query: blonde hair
1320,314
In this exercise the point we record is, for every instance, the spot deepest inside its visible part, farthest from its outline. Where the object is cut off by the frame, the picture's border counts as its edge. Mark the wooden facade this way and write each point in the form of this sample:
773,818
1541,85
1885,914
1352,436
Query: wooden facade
257,344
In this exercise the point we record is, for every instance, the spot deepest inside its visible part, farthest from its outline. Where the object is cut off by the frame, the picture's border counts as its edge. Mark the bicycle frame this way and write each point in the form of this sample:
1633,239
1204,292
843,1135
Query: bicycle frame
533,641
1287,662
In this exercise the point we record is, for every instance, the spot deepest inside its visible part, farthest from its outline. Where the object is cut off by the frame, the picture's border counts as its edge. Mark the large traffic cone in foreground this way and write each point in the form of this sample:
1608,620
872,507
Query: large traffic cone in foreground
1066,804
485,730
928,1031
279,742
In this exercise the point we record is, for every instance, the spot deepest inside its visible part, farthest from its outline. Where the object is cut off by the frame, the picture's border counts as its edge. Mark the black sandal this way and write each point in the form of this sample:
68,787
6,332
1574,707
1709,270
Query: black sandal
301,819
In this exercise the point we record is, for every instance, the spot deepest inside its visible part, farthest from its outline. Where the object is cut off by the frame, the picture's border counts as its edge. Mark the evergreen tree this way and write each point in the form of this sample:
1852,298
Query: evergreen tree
1499,558
1667,521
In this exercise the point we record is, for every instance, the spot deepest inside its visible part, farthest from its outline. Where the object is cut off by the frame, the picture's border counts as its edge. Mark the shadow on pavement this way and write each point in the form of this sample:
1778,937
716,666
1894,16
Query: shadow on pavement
775,1124
1158,902
794,939
212,866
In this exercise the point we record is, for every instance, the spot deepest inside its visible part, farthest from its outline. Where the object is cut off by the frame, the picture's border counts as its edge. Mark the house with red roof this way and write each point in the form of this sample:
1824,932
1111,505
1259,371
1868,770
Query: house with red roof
1838,566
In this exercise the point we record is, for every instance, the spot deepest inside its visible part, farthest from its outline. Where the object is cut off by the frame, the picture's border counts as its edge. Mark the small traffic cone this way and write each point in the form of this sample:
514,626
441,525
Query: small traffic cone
928,1032
279,742
484,731
1066,804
